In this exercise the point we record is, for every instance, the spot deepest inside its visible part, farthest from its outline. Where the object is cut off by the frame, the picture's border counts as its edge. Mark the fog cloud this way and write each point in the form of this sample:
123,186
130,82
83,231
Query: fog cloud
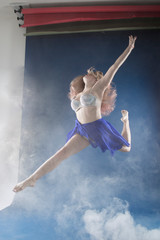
115,222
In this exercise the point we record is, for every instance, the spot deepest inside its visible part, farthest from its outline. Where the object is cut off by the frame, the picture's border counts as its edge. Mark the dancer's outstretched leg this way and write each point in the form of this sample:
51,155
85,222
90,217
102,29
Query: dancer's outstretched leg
126,133
73,146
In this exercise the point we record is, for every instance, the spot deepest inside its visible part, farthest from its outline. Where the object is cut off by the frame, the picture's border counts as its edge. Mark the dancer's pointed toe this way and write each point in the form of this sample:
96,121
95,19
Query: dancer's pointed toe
124,116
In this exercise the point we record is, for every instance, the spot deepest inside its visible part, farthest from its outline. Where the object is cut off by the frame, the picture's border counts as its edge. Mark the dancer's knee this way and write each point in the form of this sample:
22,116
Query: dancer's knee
125,149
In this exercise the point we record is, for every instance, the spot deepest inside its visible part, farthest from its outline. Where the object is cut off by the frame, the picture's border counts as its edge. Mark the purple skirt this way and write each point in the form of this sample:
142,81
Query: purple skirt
99,133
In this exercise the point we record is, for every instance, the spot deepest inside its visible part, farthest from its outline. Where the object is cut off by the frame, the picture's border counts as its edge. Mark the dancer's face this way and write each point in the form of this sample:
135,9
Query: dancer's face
89,79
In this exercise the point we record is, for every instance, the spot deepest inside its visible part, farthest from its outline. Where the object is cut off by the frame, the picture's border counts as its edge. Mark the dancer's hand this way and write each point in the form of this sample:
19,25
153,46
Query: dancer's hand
132,42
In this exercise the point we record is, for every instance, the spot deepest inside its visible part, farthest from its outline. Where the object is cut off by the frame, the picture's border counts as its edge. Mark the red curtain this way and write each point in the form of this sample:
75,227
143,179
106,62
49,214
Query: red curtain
53,15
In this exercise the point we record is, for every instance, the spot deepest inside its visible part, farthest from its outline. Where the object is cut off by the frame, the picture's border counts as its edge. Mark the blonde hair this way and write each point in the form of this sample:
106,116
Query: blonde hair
109,97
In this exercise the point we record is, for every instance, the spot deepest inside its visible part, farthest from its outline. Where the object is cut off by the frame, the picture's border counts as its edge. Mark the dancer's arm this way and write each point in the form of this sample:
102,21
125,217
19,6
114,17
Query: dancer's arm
108,77
125,54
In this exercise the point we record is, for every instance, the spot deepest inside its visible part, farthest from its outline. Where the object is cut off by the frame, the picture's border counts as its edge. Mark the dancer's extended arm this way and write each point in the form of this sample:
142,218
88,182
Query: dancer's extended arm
108,77
125,54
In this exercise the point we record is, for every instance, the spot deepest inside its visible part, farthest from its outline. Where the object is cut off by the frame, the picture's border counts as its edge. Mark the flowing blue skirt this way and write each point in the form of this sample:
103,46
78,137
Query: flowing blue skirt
99,133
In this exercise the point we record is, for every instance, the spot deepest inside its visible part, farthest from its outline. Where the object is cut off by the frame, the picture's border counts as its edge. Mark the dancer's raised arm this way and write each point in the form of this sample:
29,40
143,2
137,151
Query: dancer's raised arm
108,77
125,54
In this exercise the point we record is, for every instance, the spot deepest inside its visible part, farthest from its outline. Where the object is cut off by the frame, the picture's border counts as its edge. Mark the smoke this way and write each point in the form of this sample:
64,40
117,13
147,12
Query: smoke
11,86
115,222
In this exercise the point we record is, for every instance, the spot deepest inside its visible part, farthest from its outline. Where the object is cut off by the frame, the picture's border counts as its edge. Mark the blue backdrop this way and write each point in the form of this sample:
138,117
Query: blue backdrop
90,195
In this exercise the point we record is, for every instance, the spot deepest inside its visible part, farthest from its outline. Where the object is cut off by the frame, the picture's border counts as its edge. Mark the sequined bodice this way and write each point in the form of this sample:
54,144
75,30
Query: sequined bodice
85,100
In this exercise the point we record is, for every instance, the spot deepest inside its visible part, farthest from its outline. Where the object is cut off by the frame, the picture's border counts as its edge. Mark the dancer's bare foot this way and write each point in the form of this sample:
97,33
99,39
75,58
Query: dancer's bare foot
29,182
124,116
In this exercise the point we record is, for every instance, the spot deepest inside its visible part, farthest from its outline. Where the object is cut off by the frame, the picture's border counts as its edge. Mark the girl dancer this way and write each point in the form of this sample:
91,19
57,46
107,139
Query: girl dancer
91,96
